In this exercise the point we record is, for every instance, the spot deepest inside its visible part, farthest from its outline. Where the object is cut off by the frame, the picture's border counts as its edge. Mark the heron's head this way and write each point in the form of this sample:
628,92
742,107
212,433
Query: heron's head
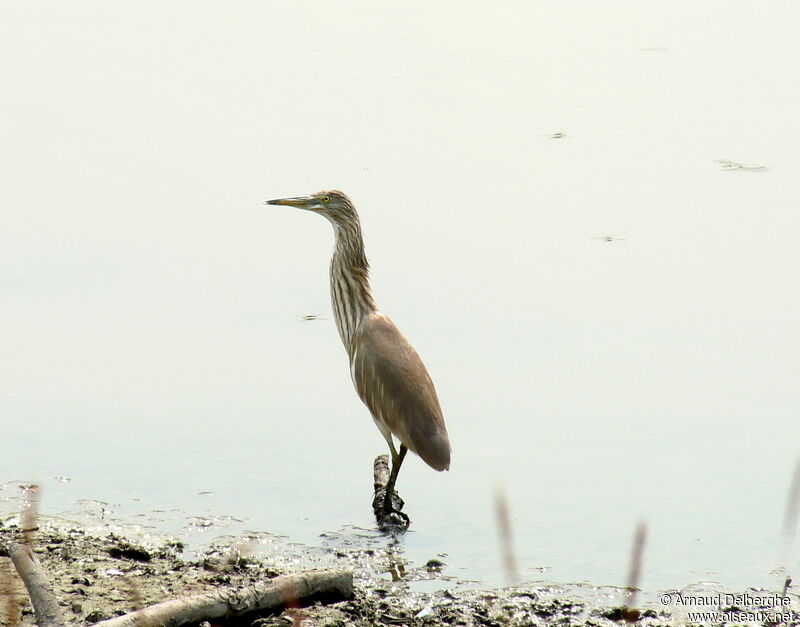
334,205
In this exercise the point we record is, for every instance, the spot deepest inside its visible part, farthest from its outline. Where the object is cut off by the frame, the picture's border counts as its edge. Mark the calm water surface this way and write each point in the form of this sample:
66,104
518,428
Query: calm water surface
151,308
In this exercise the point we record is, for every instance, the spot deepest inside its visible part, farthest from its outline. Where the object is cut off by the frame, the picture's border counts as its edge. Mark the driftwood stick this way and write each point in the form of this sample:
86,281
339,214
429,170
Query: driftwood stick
44,601
276,594
380,472
387,521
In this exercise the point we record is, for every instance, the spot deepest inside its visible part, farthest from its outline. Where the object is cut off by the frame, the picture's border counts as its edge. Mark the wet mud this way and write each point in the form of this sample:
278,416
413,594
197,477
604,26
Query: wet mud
99,575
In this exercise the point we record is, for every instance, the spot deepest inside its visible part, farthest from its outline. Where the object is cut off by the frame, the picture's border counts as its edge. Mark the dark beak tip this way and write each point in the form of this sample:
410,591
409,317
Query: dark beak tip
301,202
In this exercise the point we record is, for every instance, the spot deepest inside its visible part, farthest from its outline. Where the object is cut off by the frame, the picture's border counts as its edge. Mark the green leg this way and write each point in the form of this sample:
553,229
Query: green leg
392,449
397,461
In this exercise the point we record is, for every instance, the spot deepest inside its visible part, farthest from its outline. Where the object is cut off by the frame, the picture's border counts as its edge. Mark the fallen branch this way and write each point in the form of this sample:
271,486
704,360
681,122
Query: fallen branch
272,596
44,601
380,472
387,521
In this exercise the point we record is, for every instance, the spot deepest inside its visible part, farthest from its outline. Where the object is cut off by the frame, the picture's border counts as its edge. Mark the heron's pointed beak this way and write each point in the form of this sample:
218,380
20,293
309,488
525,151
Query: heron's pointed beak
301,202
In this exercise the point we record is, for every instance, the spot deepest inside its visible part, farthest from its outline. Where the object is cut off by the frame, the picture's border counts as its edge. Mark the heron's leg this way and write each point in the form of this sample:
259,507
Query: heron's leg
393,450
397,461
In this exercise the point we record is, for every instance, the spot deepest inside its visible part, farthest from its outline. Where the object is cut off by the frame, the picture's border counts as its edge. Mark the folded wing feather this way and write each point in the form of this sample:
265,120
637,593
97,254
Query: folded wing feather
394,384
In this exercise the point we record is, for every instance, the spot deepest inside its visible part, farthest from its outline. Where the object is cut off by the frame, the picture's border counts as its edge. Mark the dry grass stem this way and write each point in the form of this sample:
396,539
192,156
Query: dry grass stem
506,540
629,611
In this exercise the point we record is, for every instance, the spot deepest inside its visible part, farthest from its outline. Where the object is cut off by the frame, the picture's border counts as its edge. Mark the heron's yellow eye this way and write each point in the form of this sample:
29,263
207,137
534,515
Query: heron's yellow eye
326,199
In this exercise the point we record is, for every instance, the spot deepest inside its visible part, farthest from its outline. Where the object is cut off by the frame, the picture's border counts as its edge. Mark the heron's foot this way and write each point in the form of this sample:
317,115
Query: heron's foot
389,514
393,521
381,504
393,504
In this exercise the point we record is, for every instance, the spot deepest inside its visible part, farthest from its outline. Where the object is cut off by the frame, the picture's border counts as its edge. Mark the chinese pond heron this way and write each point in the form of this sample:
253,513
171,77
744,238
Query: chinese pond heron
387,372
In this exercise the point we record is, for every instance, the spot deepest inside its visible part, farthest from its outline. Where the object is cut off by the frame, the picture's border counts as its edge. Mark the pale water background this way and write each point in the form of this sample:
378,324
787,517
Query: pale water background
150,306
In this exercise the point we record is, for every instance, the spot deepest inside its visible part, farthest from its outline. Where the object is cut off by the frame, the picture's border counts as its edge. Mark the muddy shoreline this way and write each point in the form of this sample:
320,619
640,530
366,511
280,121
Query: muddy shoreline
101,574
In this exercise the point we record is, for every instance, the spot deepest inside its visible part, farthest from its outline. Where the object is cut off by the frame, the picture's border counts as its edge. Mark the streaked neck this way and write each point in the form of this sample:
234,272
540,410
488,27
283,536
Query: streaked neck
350,292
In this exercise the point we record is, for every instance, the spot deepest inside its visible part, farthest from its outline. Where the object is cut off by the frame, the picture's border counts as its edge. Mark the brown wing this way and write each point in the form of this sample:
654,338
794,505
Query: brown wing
393,383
